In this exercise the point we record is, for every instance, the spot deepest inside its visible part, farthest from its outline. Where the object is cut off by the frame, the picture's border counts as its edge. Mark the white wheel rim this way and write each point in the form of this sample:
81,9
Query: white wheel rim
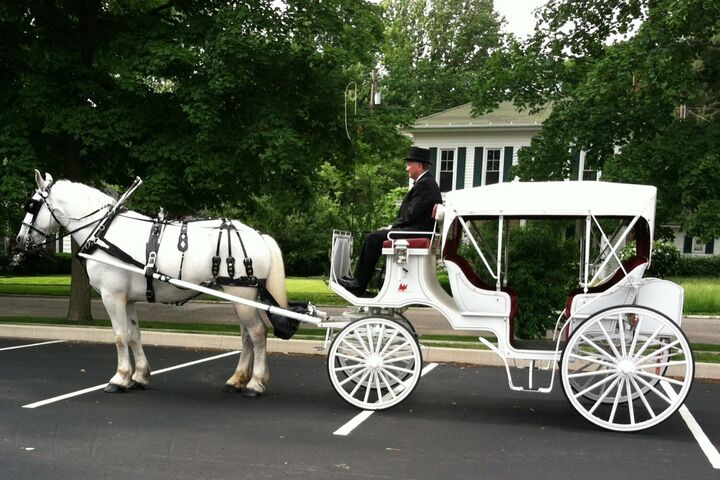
374,363
629,378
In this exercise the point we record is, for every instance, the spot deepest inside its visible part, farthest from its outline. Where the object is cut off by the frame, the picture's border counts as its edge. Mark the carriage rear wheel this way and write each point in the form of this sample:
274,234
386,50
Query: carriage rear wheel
374,363
627,368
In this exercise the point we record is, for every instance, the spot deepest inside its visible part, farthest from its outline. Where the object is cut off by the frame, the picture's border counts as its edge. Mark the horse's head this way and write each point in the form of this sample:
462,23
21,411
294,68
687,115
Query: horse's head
39,221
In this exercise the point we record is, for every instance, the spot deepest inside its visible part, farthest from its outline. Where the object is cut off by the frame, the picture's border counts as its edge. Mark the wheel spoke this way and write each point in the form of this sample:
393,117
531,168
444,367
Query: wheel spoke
630,402
599,349
398,359
655,390
390,390
647,343
350,378
369,330
636,335
605,393
593,359
657,352
368,388
659,377
590,374
351,358
663,364
609,340
389,342
353,347
596,385
378,387
361,341
618,394
354,366
399,369
359,384
642,397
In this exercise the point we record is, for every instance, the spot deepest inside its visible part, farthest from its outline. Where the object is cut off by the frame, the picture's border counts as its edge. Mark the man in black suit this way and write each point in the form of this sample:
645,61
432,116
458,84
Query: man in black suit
415,215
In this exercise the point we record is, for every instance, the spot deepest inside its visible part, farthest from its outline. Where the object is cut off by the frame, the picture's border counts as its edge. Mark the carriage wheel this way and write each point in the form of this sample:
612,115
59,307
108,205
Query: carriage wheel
627,368
374,363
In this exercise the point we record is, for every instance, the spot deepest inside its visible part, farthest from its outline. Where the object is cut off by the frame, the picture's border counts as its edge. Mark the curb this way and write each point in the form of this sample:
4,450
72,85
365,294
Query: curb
234,342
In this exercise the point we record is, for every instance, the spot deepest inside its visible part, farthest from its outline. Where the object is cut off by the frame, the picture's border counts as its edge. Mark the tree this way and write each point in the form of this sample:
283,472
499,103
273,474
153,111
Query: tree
635,85
432,51
213,103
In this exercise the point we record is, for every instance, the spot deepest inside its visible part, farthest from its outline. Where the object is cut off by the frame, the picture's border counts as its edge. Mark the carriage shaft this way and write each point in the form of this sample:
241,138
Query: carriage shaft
199,288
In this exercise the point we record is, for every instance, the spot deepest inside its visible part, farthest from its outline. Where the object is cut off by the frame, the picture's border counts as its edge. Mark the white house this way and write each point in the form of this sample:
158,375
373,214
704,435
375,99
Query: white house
469,151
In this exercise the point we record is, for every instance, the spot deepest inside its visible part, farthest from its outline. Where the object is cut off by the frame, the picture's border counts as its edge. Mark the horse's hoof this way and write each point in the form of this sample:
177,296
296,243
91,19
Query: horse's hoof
137,386
112,388
250,393
231,388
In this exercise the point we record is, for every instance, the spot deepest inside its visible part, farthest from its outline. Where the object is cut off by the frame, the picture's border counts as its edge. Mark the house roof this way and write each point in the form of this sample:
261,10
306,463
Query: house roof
506,115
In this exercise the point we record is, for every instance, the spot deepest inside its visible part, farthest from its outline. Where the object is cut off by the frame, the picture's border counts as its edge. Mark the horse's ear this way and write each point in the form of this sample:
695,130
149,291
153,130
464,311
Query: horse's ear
42,184
39,180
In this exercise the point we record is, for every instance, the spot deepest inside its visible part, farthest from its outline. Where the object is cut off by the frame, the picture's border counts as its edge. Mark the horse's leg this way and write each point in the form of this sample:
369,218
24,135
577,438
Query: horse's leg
243,372
141,376
116,306
252,373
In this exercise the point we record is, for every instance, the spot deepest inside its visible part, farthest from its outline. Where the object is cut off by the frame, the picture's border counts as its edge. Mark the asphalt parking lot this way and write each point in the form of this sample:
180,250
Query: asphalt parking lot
461,422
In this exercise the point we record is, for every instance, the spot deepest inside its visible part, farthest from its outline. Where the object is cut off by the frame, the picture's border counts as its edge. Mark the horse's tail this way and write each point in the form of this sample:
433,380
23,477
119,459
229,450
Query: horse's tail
275,282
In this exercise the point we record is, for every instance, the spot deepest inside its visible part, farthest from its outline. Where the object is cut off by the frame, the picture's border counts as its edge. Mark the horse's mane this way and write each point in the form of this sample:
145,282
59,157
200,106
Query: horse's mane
82,194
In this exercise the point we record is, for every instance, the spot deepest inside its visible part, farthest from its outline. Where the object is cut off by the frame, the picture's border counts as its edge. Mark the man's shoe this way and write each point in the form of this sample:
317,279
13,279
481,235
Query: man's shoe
352,286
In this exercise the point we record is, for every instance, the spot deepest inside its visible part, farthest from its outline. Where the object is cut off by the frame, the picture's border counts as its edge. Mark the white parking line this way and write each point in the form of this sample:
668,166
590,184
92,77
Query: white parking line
98,387
705,444
365,414
30,345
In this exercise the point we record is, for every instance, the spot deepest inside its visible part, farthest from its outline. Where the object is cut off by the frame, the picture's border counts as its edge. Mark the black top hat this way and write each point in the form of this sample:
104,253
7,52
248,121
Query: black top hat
417,154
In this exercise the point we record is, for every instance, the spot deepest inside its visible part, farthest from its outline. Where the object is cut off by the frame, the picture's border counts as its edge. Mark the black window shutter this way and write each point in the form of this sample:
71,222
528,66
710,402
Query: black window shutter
460,180
433,161
710,247
575,164
688,244
508,164
477,170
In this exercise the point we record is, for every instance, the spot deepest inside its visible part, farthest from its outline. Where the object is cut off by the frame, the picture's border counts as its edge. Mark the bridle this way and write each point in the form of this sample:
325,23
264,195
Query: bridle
33,206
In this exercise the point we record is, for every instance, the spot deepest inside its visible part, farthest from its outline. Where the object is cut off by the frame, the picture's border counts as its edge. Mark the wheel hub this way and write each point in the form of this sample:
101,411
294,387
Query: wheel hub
626,367
374,362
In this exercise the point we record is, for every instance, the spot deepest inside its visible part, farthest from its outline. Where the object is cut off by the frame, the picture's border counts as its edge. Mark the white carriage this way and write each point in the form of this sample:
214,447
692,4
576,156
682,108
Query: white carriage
623,361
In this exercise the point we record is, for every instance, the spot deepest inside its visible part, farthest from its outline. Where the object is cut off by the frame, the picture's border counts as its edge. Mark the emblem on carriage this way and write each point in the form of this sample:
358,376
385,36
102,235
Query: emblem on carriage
402,288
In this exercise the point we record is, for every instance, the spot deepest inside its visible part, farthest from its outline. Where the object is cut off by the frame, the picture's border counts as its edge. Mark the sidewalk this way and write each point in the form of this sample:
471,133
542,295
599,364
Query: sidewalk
425,320
699,329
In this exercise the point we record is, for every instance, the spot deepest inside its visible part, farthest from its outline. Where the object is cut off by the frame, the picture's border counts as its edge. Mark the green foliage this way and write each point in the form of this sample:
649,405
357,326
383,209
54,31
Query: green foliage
698,266
665,258
38,261
541,273
433,50
615,73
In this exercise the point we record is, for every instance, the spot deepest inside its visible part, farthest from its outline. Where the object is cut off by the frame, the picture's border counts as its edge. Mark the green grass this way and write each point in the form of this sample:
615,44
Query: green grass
299,289
702,295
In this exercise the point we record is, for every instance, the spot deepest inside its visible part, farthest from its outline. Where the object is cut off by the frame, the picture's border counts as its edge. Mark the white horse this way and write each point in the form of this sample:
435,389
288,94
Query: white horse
79,208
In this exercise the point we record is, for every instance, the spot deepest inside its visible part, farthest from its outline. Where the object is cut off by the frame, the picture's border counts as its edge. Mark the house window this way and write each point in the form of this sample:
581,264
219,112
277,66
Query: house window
447,164
492,168
589,174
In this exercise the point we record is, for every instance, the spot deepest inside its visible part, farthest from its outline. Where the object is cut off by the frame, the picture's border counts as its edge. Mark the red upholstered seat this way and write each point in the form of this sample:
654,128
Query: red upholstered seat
630,264
412,242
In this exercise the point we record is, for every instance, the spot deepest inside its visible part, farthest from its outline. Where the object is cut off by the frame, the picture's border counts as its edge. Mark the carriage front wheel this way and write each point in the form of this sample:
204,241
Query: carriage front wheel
374,363
627,368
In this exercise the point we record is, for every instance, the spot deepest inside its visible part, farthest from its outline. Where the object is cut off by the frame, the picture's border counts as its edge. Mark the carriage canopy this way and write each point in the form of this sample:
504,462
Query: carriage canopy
552,199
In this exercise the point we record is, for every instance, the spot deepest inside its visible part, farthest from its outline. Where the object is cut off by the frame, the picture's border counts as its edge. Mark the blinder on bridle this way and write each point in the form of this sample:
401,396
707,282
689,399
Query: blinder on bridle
32,207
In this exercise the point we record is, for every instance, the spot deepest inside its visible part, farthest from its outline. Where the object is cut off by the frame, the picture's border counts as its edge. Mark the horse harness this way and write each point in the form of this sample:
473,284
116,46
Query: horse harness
283,327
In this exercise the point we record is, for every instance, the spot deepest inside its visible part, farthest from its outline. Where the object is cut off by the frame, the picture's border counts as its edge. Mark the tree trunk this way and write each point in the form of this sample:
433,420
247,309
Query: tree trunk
79,308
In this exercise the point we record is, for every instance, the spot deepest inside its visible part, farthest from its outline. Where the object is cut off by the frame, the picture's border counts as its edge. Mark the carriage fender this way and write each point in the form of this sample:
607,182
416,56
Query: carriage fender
662,295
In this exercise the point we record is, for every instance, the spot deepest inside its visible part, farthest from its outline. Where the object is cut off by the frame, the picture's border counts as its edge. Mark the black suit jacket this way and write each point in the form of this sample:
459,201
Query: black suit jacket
417,206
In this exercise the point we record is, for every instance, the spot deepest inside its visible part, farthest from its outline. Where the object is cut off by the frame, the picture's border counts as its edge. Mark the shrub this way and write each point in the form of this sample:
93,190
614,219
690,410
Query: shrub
541,273
698,266
37,261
